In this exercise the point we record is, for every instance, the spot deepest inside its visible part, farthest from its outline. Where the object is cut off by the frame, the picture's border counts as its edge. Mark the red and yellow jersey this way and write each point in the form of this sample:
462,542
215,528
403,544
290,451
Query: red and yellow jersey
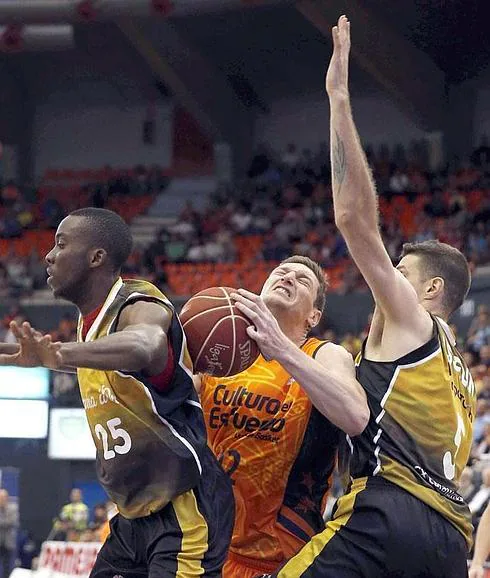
279,451
151,445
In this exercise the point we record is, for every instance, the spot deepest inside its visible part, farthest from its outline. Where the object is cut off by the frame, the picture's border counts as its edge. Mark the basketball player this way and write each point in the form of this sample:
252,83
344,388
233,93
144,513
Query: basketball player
174,501
402,515
268,427
482,545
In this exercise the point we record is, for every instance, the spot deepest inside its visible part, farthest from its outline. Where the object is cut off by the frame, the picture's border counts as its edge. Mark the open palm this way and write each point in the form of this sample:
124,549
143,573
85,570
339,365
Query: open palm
35,349
337,79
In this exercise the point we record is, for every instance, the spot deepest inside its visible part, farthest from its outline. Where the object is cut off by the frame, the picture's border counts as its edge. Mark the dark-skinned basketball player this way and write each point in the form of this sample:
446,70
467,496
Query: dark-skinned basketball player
174,501
268,427
402,515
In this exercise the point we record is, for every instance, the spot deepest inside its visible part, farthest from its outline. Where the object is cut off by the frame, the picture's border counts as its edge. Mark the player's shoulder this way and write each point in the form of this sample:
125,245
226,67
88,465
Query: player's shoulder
332,349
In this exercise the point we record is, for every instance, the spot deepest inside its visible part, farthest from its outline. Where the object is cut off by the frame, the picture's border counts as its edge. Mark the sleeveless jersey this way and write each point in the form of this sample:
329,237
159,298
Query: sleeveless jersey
149,444
279,451
420,432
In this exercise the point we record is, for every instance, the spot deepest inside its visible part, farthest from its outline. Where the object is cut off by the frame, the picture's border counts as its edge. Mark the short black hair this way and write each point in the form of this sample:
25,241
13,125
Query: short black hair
319,274
108,231
442,260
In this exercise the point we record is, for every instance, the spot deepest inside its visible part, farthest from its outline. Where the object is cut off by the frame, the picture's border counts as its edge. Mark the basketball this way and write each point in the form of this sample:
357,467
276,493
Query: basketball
216,333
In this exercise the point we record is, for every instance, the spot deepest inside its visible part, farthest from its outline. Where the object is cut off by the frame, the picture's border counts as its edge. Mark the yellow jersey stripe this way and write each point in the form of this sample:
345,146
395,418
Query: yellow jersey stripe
194,529
306,557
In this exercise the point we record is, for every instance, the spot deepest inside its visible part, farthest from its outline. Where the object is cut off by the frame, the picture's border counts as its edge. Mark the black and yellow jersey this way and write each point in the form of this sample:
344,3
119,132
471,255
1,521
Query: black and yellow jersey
420,431
150,445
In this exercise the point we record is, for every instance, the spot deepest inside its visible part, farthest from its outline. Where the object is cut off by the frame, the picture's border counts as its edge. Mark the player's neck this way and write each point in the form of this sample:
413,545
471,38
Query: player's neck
94,294
435,310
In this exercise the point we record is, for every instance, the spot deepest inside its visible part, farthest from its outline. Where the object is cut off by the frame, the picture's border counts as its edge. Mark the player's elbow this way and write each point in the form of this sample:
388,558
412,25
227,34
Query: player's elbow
358,421
140,355
346,219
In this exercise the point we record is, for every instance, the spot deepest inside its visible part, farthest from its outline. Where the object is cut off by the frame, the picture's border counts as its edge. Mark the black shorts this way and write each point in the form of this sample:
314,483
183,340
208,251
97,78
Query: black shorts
382,532
189,537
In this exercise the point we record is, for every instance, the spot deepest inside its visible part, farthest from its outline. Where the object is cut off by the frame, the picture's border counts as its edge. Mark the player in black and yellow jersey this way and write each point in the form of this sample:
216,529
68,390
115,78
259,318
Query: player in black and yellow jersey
402,515
175,503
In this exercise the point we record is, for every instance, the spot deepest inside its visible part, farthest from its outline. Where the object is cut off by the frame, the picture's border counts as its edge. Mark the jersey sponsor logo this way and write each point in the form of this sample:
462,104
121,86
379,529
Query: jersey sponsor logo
444,490
105,395
230,408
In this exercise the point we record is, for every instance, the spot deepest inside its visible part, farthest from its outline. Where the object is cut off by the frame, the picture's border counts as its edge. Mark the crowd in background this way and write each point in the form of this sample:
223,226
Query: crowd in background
285,200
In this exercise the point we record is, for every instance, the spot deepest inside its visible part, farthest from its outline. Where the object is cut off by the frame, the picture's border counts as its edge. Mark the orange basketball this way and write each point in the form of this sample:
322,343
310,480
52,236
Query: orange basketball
216,333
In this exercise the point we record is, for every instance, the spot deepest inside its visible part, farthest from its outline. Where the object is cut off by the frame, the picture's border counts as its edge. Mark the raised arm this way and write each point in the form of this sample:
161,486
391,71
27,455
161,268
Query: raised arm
355,200
139,344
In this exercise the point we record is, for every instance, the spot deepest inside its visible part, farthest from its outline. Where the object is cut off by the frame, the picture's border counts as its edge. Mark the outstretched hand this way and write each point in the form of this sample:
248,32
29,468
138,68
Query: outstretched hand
265,329
337,80
35,349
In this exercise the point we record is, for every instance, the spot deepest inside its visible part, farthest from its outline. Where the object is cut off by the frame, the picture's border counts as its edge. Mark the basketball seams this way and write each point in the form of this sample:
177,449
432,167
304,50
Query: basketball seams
216,333
204,312
232,360
210,334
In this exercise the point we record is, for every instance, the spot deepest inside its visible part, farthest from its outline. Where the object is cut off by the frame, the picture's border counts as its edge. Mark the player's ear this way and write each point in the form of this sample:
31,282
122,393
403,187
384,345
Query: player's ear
435,287
314,318
97,257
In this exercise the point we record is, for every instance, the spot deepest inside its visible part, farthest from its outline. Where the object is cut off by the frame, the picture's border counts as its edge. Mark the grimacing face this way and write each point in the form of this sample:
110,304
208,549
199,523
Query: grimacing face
68,261
292,286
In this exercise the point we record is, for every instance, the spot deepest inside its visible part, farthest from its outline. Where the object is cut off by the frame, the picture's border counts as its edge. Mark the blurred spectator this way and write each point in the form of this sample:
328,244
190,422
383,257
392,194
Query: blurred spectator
352,343
480,498
482,419
260,163
290,157
67,329
51,212
481,156
241,220
9,524
467,488
479,331
399,182
483,448
74,516
27,548
437,206
99,521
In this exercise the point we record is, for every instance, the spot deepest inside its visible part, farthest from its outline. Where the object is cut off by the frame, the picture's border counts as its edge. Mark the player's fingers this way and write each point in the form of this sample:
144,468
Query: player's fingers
29,331
247,311
248,297
252,332
249,294
7,359
16,330
243,300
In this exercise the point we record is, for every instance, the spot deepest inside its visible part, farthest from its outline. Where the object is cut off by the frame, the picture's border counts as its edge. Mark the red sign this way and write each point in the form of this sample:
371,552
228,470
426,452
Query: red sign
68,558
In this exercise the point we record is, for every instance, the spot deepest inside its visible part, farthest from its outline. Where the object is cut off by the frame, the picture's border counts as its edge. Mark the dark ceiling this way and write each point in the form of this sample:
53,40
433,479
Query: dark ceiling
266,53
